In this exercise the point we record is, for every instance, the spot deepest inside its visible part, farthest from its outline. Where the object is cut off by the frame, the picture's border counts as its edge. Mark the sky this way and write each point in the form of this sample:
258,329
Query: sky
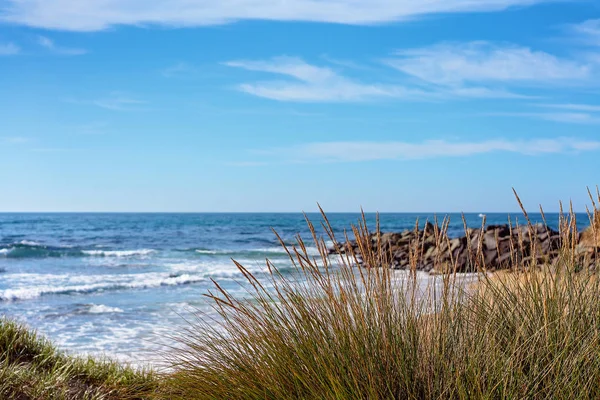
271,105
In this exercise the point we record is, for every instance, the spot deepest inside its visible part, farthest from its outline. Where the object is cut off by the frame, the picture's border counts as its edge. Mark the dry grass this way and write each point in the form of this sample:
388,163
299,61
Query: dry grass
591,236
334,331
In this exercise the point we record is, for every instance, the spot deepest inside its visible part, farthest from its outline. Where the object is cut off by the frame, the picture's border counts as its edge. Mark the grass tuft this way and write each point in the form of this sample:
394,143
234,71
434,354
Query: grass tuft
331,330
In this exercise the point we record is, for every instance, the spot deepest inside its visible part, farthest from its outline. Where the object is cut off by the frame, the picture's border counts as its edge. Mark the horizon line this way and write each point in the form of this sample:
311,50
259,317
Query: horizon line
288,212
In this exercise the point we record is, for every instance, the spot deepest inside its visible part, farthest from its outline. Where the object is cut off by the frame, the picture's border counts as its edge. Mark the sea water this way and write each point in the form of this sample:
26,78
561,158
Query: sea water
120,284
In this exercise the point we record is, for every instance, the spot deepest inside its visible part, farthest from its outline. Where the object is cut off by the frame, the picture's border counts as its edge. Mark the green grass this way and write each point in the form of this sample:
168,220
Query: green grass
31,368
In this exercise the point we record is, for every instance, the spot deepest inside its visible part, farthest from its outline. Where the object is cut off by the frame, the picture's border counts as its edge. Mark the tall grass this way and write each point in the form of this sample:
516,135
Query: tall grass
334,331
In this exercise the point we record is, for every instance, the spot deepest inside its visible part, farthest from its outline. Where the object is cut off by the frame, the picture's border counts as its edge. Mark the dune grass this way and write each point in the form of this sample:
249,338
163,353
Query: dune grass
341,332
32,369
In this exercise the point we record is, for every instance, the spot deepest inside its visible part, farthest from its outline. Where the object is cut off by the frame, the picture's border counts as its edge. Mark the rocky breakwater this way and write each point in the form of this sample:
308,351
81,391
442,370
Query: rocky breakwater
491,248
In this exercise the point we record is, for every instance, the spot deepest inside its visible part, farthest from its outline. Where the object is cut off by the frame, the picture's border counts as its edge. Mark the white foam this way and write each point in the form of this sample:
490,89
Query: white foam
102,309
96,283
29,243
312,251
5,251
267,250
185,267
118,253
210,252
273,250
223,269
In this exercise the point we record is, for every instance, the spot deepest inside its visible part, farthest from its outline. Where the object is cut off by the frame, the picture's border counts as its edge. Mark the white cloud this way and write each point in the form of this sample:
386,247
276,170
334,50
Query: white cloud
16,139
53,150
50,45
573,113
247,164
565,117
91,15
441,71
574,107
115,101
457,64
370,151
119,102
588,31
310,83
9,49
181,69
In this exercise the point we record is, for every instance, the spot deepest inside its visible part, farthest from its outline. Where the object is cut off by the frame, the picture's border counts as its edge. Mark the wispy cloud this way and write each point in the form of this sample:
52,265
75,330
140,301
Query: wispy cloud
574,107
572,113
115,101
441,71
119,102
15,139
588,32
457,64
94,15
564,117
51,46
181,69
248,164
310,83
371,151
53,150
9,49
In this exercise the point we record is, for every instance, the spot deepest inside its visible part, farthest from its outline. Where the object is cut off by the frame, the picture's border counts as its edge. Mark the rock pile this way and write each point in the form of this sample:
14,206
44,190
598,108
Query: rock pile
492,248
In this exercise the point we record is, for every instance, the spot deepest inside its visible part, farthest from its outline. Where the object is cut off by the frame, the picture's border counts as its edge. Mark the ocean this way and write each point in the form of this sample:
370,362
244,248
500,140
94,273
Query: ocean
119,284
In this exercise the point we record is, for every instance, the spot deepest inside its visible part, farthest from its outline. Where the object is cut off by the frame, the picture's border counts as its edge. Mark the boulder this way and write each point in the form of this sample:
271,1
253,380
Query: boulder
500,245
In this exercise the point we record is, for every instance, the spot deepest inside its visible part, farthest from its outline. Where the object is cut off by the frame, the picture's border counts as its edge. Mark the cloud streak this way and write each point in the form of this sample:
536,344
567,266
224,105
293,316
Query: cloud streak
479,69
305,82
574,107
588,32
457,64
52,47
9,49
180,69
115,101
311,83
93,15
119,102
362,151
16,139
583,118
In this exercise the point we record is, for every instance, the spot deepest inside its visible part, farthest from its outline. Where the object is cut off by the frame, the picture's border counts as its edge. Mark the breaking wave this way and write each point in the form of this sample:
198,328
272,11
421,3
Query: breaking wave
118,253
99,283
102,309
28,249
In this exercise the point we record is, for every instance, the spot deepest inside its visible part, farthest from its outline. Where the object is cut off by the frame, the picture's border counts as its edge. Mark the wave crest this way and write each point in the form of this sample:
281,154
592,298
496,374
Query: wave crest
28,249
135,281
118,253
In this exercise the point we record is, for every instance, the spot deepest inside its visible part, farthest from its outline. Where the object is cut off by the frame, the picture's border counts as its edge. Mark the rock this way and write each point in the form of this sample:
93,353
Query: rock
430,252
499,246
489,240
455,244
490,257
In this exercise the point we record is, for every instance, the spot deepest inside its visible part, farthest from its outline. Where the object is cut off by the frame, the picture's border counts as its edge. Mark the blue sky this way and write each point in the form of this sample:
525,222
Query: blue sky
269,105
